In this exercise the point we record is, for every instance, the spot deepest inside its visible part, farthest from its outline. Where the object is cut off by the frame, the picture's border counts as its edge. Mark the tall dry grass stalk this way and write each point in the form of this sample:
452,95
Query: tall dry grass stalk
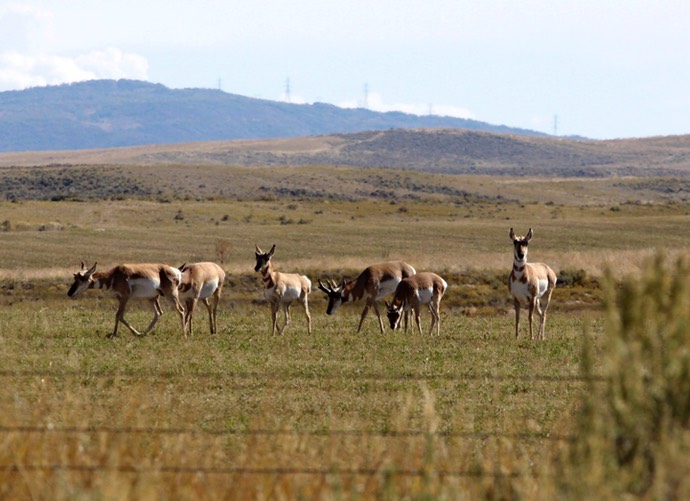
633,435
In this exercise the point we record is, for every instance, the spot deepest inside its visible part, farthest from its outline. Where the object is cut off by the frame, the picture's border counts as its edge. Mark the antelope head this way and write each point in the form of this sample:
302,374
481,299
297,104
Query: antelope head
334,293
82,280
263,258
395,313
520,244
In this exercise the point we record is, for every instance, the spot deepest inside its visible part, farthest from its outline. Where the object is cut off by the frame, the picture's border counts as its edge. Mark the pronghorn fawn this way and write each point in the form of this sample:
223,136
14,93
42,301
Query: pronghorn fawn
375,282
132,281
529,283
282,289
201,281
412,293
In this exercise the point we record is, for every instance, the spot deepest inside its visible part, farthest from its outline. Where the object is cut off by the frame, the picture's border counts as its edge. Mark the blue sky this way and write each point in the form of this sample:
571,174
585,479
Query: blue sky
596,68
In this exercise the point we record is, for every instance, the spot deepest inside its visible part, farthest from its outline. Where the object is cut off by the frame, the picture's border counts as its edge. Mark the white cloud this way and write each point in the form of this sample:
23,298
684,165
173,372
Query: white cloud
113,63
25,28
374,102
19,71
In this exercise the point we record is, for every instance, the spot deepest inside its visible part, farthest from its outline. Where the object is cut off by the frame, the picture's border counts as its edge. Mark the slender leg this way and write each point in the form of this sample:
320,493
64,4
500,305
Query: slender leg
274,316
286,310
157,313
211,315
364,314
542,324
189,314
416,318
121,317
435,318
532,306
305,303
118,315
180,309
378,315
516,303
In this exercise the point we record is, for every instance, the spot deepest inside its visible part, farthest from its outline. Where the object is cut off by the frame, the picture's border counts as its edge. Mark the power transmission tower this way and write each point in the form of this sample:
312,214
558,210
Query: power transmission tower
287,90
365,104
555,125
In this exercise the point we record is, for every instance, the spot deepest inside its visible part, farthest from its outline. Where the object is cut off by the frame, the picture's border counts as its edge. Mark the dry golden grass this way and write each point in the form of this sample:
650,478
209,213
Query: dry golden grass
246,415
329,236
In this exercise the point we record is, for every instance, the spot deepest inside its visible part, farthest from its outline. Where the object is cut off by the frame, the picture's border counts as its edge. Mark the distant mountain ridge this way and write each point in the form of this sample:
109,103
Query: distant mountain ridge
116,113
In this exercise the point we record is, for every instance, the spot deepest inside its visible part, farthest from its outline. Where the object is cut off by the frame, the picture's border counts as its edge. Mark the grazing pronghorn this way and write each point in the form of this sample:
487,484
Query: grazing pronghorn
377,281
412,293
129,281
201,281
282,289
528,283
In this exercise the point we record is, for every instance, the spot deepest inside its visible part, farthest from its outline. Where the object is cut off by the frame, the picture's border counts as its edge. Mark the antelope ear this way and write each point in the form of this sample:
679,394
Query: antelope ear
258,250
92,269
273,249
530,233
512,234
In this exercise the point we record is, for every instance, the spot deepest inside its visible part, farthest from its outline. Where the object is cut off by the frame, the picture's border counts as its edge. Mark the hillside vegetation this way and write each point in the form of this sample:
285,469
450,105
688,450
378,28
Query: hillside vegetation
423,164
115,113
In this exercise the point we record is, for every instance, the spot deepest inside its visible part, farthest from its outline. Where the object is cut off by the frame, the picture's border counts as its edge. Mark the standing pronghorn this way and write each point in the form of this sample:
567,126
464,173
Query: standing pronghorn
128,281
282,289
377,281
411,293
200,281
528,283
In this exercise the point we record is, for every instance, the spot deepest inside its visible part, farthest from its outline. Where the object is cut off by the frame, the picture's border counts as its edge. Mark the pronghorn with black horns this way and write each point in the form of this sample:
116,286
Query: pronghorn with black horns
375,282
411,293
282,289
529,283
132,281
201,281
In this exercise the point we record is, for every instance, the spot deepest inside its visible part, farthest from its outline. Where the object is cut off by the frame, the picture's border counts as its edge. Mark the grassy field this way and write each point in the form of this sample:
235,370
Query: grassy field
332,415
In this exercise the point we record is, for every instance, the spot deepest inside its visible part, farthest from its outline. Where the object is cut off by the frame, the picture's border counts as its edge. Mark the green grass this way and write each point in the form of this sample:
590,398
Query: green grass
245,399
244,414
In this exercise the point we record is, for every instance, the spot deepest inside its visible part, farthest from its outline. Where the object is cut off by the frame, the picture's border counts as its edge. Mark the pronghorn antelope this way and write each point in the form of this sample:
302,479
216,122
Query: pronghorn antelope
282,289
201,281
412,293
377,281
129,281
529,282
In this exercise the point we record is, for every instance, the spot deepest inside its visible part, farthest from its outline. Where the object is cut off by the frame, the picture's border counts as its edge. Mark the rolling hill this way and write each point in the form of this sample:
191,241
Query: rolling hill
116,113
450,164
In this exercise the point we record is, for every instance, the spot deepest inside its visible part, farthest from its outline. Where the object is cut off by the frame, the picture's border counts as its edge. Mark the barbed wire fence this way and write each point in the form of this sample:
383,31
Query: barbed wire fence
242,380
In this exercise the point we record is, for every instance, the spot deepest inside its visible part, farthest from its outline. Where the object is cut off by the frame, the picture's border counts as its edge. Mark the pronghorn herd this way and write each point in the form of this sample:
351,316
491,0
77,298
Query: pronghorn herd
528,283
